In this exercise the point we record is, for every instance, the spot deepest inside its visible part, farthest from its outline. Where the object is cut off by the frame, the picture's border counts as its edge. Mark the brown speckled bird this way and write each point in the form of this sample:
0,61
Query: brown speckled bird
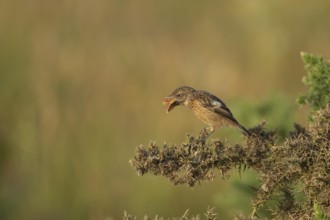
207,107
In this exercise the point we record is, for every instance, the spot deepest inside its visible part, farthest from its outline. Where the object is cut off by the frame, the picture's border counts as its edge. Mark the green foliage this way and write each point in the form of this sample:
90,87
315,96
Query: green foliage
319,215
318,81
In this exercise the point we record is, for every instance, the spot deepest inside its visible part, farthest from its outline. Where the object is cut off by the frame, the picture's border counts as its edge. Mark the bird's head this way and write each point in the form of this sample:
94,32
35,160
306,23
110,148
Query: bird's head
178,97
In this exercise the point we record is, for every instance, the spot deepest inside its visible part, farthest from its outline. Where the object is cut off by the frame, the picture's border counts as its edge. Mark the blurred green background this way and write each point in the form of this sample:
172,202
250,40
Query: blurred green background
81,84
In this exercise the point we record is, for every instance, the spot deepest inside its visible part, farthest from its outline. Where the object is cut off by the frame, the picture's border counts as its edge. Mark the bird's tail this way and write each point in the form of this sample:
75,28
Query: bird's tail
244,130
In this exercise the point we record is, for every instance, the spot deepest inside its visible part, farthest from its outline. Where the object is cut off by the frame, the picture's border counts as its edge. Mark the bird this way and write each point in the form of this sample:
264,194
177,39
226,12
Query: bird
207,107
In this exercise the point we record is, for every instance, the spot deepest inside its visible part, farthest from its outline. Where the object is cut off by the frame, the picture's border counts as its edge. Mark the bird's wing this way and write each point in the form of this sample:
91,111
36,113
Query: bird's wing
215,104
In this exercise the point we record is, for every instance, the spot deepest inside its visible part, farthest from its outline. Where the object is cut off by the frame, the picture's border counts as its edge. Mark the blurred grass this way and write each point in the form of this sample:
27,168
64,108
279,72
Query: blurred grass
81,85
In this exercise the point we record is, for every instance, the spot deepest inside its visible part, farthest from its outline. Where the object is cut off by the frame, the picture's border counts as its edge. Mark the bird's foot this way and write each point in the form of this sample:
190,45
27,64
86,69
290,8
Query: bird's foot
206,132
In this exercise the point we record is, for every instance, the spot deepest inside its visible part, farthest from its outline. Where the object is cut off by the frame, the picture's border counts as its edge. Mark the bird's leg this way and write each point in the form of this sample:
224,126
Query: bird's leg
211,130
206,132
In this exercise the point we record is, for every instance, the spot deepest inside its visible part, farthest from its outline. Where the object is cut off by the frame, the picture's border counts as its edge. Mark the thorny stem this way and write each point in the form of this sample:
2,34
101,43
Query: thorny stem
303,158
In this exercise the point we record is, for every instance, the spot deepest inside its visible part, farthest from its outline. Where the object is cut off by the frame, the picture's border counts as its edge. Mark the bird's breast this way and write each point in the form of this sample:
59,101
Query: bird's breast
201,112
208,116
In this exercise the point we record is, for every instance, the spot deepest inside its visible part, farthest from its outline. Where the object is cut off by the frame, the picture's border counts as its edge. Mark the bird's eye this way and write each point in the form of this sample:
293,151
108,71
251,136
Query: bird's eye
178,95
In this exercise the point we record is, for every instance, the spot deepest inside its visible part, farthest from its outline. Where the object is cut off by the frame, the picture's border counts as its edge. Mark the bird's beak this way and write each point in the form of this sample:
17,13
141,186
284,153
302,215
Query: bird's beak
169,102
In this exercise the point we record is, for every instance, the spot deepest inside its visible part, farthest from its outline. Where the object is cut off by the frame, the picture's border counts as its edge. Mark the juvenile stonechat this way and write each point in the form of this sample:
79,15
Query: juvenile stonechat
207,107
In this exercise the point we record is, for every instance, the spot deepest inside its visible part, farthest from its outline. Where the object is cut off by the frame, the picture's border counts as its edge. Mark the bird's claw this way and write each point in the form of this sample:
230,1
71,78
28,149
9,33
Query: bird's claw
206,133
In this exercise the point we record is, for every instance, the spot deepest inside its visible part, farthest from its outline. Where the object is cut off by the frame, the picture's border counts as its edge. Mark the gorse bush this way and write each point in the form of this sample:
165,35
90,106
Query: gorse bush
318,81
300,162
